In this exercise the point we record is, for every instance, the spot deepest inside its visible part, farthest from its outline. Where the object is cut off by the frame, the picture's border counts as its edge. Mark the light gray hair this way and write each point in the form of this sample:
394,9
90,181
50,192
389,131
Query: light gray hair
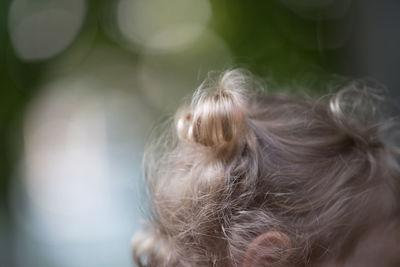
238,163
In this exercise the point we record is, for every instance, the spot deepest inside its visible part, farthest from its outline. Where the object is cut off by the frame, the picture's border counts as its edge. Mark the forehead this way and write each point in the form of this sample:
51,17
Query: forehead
379,247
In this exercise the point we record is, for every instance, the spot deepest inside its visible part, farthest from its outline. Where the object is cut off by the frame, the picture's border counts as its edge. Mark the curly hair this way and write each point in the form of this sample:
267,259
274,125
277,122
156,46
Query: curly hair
238,163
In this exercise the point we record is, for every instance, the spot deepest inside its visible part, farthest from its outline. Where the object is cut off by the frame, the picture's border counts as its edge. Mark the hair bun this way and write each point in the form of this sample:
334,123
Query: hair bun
216,117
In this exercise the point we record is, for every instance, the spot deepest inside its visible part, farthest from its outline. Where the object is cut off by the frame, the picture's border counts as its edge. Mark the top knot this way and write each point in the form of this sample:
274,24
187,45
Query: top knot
216,117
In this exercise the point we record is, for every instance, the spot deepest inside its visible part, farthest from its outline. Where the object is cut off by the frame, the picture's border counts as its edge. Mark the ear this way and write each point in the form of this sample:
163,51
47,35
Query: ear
268,249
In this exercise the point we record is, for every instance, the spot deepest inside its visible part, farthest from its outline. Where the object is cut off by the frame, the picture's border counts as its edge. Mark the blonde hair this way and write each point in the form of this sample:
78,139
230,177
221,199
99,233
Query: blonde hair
239,163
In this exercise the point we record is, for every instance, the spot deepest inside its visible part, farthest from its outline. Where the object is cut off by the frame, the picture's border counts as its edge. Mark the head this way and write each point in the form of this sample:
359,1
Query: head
249,179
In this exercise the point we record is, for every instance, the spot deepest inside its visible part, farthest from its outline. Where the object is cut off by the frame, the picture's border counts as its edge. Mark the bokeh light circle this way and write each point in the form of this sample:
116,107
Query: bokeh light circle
162,25
40,30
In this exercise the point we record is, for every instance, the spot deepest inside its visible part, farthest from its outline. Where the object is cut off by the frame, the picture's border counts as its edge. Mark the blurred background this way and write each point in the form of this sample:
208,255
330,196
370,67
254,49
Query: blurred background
82,83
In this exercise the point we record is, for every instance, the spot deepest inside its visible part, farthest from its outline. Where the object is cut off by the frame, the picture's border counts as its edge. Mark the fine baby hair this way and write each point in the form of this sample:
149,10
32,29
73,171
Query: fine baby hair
249,179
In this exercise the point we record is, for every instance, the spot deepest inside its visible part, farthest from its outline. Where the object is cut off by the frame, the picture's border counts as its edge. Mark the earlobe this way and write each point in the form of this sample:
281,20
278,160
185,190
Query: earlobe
268,249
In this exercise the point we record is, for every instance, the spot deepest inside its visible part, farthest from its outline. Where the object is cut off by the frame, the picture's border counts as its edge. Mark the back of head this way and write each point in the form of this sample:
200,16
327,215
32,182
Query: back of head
258,180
